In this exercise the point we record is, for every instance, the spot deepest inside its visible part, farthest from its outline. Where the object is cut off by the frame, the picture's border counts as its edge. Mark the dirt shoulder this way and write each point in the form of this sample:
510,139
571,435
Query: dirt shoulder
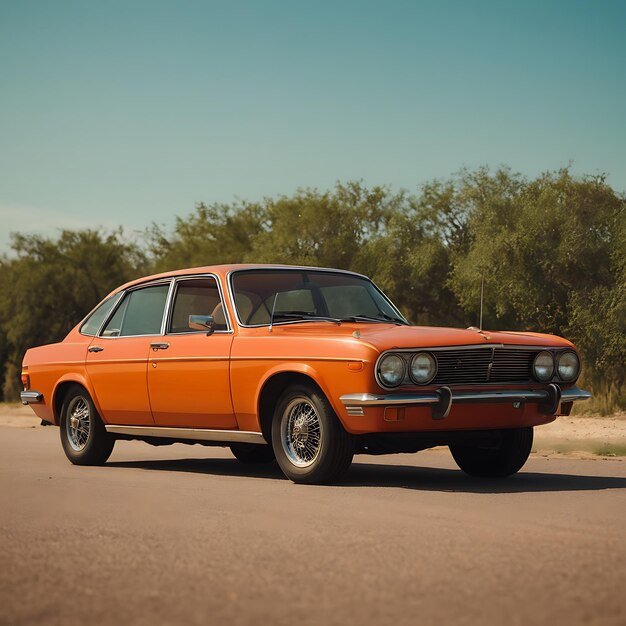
582,437
18,416
595,435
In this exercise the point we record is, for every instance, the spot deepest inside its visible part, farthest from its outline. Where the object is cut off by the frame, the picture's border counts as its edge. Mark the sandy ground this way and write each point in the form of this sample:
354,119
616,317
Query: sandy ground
187,535
580,437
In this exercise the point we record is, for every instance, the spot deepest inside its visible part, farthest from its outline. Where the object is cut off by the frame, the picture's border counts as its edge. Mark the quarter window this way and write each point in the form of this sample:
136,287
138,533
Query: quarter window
197,296
94,321
140,313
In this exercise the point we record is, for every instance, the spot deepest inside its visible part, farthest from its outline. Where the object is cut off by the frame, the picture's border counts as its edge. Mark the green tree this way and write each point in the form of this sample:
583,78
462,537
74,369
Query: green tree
213,234
48,285
410,258
323,228
552,251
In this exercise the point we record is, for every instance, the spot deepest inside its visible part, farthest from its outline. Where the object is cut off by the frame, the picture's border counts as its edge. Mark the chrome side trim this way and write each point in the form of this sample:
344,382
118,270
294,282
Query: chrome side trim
31,397
355,411
197,434
539,395
168,306
370,399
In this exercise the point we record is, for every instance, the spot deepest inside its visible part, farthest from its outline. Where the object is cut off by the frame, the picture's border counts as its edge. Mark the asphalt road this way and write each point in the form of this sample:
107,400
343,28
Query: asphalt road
186,535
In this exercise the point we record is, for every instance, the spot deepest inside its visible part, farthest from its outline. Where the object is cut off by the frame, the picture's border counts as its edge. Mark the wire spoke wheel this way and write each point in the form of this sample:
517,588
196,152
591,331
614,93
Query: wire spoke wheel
78,424
301,432
309,441
84,437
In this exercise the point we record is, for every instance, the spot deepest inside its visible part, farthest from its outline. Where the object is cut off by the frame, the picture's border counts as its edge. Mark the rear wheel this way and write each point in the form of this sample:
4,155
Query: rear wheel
251,453
504,459
310,444
83,436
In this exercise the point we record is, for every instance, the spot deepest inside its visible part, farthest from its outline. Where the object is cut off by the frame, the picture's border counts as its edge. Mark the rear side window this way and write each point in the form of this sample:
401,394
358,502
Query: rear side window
140,313
94,321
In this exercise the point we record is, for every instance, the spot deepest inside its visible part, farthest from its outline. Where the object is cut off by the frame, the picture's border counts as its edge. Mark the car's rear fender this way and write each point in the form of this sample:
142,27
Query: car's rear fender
63,384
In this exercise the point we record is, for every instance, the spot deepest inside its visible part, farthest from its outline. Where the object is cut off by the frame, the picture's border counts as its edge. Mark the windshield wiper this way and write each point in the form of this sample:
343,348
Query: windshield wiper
305,316
381,319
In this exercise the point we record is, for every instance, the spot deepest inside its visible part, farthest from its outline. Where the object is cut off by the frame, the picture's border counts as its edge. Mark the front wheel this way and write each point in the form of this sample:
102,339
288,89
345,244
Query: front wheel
504,459
310,444
83,436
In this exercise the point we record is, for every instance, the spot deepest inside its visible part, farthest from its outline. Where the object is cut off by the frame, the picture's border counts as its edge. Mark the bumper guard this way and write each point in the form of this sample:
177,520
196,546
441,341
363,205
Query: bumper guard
31,397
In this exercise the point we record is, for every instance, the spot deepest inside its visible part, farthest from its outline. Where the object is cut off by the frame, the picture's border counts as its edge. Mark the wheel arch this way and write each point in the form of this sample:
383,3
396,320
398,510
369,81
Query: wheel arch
61,389
275,384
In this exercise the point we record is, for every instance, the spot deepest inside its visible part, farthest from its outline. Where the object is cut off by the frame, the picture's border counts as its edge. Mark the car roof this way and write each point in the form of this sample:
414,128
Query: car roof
223,270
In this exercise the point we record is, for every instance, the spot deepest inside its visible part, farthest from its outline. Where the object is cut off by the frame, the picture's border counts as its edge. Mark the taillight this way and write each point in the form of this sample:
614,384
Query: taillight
25,380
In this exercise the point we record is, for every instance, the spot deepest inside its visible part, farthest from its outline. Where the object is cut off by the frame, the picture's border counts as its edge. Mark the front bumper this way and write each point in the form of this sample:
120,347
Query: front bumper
31,397
442,399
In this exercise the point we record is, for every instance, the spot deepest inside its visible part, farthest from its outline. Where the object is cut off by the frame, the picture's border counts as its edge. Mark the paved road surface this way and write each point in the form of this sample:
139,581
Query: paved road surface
186,535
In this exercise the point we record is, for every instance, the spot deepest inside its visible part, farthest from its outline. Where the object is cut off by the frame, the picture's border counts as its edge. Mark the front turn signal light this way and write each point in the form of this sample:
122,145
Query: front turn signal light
25,380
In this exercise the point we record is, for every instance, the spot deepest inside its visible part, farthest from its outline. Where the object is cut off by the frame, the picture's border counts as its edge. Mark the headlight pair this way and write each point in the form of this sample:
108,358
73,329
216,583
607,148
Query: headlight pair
392,369
567,366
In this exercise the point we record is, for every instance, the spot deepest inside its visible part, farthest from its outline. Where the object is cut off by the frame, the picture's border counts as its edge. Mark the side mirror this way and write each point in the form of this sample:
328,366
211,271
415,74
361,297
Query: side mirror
202,322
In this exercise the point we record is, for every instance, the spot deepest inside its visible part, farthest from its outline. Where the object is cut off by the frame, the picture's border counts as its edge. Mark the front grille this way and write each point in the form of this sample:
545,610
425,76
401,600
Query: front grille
512,365
480,365
508,365
456,367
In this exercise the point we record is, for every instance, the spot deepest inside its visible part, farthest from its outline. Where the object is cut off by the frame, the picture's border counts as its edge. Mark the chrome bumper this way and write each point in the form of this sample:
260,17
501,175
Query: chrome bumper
31,397
443,398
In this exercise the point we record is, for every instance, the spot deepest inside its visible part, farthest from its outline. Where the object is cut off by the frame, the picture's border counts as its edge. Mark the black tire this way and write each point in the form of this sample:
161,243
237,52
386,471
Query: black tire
84,443
496,462
251,453
319,450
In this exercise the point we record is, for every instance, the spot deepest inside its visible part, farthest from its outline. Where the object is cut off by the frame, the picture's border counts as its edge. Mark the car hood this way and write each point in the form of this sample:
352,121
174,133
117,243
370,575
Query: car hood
387,336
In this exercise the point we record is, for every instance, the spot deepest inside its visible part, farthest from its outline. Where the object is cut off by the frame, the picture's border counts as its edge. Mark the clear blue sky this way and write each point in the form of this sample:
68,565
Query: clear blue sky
130,112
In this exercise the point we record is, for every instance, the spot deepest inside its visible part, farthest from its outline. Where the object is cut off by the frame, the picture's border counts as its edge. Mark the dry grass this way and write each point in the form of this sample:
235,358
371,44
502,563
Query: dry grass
608,399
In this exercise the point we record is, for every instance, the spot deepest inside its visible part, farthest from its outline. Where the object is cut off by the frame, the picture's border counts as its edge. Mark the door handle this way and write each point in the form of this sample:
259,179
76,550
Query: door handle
159,346
95,349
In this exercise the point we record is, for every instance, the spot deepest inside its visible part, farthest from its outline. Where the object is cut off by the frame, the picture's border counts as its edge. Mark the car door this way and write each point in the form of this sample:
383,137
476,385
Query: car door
188,376
117,359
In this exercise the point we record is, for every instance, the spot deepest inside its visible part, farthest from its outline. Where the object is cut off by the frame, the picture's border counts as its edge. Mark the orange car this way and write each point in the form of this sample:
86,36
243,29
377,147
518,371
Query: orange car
305,365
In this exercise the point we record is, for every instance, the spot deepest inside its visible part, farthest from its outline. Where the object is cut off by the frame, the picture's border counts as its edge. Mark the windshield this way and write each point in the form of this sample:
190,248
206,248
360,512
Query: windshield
286,296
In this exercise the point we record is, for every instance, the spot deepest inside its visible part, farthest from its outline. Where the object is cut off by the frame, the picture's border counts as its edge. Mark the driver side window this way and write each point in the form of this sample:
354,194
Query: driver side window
197,296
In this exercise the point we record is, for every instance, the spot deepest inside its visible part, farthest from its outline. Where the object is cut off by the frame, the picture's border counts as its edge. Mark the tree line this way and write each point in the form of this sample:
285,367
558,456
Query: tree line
552,250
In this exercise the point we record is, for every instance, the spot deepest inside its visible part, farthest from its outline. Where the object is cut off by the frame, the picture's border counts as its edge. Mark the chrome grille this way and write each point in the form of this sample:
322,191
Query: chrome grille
512,365
455,367
508,365
494,364
480,365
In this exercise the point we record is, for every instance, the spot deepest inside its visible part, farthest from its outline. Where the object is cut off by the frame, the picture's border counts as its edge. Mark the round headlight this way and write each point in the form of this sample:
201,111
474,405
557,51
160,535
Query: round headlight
568,366
543,366
423,368
391,370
